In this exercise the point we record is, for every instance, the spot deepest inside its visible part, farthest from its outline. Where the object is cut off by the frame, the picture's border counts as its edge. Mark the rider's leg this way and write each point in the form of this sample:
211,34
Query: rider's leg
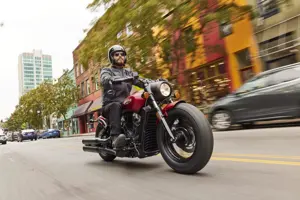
113,111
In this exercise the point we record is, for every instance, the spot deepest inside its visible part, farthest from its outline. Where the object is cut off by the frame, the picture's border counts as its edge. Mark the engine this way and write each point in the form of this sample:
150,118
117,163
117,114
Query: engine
130,123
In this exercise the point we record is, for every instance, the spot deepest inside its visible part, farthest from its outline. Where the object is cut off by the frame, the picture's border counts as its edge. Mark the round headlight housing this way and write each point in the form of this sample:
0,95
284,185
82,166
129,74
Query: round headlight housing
165,89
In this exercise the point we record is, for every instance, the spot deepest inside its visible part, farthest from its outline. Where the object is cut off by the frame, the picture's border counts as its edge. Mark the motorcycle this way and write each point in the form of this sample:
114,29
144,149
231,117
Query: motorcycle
154,123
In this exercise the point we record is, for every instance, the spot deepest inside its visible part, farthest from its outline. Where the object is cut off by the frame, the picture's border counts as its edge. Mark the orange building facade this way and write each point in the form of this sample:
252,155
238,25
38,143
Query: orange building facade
225,57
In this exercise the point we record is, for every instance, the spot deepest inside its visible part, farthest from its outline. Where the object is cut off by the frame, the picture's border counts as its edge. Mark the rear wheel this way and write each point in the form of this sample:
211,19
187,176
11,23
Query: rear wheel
4,142
193,146
105,156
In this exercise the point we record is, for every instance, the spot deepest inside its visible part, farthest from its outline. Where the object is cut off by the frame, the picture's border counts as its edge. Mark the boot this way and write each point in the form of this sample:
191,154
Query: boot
118,140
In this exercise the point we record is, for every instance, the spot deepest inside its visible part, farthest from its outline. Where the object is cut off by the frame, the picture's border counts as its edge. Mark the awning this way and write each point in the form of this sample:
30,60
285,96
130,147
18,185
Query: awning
97,104
82,109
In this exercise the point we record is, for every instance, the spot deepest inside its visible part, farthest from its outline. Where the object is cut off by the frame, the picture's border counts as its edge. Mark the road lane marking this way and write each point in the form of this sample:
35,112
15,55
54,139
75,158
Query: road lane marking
257,156
231,157
273,162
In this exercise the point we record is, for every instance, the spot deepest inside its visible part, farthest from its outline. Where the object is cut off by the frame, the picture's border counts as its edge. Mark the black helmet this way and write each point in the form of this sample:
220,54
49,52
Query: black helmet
112,50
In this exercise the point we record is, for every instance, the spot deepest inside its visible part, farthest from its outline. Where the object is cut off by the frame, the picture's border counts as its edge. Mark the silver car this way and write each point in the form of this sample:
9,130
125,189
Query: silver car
3,138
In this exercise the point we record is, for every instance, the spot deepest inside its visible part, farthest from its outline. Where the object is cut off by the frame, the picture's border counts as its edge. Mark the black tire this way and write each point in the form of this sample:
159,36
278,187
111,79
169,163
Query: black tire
106,157
247,125
221,112
203,137
20,139
4,142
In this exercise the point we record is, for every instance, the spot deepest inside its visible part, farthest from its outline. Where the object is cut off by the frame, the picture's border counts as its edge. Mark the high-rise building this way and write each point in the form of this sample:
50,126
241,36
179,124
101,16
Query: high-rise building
34,68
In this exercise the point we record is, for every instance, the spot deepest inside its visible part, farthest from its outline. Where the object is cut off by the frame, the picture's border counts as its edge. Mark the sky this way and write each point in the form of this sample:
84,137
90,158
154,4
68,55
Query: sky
54,26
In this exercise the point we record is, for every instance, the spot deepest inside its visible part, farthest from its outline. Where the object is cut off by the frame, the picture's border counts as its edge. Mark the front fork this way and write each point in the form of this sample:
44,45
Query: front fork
162,118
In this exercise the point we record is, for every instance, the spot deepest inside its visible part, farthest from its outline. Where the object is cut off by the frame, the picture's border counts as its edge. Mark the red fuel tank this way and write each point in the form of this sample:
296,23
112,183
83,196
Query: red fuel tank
134,102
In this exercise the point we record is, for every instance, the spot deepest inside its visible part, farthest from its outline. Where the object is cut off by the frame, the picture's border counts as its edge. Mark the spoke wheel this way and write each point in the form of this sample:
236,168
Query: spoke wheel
221,120
193,145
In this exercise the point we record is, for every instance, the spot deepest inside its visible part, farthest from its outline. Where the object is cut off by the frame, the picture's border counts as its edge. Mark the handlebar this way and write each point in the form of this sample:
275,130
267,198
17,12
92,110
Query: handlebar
125,79
142,80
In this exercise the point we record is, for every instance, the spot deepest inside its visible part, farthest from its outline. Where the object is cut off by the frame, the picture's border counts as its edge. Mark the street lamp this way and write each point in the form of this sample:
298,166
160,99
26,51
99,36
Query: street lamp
38,112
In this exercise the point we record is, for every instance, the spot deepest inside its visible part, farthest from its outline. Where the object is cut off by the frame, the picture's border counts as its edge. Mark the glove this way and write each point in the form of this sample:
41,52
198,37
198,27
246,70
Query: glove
162,79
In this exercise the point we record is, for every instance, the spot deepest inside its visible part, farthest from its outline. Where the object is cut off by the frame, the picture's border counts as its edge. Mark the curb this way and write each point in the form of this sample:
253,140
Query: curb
79,135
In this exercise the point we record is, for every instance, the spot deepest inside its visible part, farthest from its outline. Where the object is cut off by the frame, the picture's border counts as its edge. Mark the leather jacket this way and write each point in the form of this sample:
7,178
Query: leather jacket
116,92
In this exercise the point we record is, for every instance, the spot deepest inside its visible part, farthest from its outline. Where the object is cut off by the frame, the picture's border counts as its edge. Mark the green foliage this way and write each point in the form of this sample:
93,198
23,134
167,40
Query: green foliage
43,101
65,95
143,16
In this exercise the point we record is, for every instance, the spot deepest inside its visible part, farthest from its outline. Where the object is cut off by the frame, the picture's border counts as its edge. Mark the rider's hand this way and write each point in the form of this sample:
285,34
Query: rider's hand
162,79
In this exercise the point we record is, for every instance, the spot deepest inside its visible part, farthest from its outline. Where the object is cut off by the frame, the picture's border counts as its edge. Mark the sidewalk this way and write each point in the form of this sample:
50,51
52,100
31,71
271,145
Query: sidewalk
80,135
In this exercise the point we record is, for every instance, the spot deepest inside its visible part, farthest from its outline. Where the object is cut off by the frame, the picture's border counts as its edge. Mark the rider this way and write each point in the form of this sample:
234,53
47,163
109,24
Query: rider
115,94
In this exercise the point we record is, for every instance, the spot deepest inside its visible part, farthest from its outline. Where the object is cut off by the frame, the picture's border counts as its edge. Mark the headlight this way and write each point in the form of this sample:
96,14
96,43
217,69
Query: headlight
161,90
165,89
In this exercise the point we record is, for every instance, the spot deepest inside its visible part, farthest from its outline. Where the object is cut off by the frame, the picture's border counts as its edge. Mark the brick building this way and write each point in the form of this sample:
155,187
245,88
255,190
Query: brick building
90,100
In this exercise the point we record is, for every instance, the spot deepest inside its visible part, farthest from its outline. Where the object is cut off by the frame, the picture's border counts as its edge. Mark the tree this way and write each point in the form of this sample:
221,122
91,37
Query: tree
144,18
65,94
43,101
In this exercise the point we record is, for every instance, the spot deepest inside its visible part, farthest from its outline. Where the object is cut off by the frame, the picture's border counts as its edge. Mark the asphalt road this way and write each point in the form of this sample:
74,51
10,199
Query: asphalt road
258,164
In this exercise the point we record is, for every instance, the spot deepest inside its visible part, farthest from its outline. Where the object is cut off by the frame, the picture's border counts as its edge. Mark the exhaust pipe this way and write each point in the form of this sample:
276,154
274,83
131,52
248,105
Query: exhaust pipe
98,150
95,141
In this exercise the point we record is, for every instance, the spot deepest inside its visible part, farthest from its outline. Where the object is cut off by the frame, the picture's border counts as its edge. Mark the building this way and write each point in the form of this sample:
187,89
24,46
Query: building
90,102
69,126
223,58
33,69
277,32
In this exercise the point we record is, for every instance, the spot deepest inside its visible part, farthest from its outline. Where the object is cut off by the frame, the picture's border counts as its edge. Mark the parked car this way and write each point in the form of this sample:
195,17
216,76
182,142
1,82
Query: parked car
50,133
270,95
12,136
3,138
28,134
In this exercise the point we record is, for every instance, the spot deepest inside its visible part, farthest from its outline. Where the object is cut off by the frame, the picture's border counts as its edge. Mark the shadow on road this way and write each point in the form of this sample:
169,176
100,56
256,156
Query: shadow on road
264,126
127,164
198,175
140,166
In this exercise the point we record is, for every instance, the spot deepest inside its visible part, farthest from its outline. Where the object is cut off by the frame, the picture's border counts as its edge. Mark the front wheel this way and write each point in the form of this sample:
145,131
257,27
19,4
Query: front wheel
194,143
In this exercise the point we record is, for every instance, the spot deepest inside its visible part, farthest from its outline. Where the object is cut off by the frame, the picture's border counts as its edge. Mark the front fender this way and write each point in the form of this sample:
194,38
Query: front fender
170,106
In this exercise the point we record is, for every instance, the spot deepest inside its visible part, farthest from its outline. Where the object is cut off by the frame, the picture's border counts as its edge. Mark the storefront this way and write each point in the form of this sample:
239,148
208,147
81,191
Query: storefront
94,112
81,113
208,83
225,57
68,126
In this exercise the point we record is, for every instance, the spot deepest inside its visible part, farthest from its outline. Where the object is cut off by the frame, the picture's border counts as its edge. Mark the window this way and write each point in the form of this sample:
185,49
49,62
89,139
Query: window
95,82
254,84
129,31
81,69
267,8
77,70
82,89
78,91
207,84
28,64
119,34
88,89
285,75
243,58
